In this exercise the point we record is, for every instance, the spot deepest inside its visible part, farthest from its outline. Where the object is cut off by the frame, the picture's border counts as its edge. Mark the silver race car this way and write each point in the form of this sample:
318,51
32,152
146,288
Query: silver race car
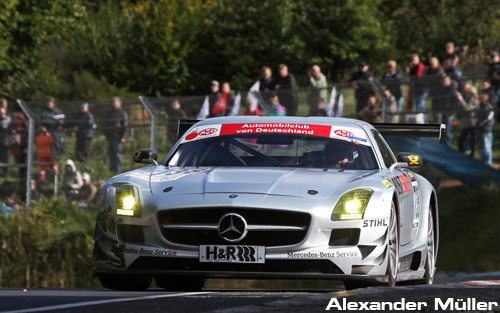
270,197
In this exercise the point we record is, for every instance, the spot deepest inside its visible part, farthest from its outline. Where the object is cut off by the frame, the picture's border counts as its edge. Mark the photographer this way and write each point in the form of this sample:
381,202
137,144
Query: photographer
372,112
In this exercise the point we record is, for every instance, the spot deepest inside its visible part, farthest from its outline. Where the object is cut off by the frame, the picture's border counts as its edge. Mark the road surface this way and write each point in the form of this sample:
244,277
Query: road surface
475,296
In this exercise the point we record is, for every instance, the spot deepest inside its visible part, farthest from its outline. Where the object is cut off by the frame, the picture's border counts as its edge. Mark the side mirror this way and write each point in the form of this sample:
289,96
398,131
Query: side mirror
413,160
146,156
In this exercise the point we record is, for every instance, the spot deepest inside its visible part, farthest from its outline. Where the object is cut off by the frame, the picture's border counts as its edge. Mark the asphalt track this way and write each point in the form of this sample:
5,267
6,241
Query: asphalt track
474,294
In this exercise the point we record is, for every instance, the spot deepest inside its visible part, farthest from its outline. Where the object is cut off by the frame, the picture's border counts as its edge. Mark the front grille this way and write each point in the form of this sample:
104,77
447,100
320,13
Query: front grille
271,266
211,216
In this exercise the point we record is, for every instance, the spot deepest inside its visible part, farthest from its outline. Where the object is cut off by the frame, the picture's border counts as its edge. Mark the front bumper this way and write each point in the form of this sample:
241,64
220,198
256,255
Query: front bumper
335,250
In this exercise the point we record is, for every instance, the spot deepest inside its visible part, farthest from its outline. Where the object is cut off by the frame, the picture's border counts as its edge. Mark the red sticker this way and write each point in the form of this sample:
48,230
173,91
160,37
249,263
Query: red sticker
343,133
191,136
405,182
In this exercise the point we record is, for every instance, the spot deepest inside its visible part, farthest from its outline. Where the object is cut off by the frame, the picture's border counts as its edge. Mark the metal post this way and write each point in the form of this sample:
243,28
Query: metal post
31,143
385,100
152,113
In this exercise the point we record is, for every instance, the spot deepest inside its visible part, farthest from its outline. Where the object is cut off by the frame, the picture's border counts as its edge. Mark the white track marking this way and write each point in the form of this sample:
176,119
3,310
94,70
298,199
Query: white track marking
88,303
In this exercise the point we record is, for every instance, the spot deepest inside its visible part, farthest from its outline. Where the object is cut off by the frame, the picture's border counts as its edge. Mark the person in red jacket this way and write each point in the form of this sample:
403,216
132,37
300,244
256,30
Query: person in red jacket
417,91
44,143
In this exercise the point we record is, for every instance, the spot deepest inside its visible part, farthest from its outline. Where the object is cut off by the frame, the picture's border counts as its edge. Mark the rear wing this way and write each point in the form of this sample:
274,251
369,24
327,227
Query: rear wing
183,126
412,130
386,129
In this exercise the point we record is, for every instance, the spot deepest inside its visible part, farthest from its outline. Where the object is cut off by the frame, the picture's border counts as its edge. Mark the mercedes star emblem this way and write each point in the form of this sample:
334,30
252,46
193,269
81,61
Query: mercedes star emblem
232,227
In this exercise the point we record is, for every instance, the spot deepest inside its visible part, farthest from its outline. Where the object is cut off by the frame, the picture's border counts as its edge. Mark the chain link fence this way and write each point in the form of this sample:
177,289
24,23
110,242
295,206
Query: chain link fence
153,123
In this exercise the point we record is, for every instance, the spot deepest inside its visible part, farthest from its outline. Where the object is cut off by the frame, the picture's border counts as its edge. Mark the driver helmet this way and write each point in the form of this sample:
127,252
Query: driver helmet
338,152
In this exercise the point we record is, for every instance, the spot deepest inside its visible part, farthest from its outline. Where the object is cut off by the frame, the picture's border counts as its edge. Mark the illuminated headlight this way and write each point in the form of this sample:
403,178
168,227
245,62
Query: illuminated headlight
352,205
126,201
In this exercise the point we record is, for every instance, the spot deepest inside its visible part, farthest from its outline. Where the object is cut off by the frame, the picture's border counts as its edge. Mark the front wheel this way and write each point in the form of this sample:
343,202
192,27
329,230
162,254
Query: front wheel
393,248
431,252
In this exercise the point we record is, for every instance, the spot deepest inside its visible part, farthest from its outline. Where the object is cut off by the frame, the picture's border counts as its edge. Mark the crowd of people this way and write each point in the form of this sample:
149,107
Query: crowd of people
49,142
453,100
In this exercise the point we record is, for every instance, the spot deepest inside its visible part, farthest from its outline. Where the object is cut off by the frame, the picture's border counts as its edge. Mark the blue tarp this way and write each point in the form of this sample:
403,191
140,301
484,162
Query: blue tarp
450,161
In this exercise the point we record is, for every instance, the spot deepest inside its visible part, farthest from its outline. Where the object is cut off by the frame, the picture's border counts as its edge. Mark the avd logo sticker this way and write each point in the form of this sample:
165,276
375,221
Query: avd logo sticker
343,133
208,131
201,133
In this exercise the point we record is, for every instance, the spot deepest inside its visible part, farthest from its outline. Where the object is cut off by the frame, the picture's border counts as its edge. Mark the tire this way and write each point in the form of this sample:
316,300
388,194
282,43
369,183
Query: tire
392,256
392,248
126,282
430,261
179,283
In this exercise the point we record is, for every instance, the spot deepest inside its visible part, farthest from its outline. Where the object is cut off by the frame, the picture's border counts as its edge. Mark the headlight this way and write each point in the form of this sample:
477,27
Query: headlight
352,205
126,201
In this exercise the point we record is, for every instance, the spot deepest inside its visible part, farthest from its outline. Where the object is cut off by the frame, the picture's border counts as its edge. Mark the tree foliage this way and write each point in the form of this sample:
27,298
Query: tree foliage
82,49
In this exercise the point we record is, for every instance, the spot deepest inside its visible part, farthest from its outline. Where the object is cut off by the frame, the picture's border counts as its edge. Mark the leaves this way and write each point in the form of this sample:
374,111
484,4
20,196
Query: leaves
172,47
48,245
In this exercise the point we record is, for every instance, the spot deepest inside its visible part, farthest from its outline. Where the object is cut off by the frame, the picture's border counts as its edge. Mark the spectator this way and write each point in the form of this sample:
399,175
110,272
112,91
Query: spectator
44,143
434,68
5,132
434,78
115,129
361,81
444,107
71,181
5,210
100,182
486,88
320,108
392,108
455,74
468,106
86,193
250,110
450,54
83,124
52,119
286,86
174,115
35,195
4,104
224,102
417,92
485,116
318,87
20,153
494,74
266,80
392,80
276,108
210,100
372,111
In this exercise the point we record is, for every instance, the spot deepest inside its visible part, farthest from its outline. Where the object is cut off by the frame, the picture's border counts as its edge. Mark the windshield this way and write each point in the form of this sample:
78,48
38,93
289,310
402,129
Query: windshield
274,150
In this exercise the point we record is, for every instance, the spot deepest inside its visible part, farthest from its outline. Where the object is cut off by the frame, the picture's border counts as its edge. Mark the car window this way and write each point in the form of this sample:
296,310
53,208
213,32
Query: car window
272,150
387,155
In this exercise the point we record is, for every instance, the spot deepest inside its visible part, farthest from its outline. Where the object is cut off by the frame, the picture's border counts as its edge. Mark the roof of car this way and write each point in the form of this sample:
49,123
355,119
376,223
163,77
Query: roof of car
313,120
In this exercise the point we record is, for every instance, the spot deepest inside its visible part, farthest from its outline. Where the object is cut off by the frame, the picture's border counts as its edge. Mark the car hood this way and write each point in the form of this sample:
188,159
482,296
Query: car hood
276,181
